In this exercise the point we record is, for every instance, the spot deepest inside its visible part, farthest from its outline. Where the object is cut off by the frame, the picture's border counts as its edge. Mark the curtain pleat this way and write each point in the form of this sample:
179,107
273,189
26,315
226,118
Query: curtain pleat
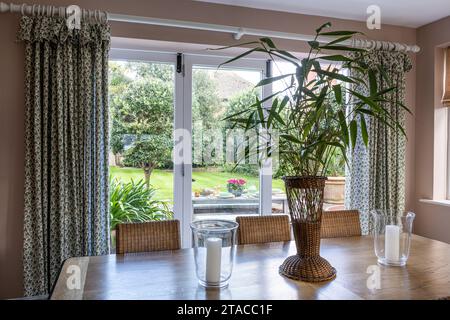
66,152
375,176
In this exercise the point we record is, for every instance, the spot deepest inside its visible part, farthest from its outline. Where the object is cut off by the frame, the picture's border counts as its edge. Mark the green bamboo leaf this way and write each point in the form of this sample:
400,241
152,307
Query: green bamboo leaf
283,103
353,132
404,107
246,53
367,100
338,40
337,89
266,81
334,57
336,76
290,138
364,134
269,42
284,53
272,111
325,25
344,128
387,90
342,48
373,87
285,58
234,46
314,44
384,75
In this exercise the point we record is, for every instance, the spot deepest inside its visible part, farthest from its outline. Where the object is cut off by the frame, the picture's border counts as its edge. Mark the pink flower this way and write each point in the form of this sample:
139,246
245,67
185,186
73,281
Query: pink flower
239,182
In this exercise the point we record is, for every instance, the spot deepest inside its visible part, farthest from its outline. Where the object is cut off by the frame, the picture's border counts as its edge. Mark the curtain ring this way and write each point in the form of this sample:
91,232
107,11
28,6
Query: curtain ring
106,15
32,10
22,9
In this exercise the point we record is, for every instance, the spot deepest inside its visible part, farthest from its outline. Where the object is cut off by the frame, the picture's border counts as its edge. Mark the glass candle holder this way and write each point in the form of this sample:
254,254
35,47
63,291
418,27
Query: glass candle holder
392,236
214,250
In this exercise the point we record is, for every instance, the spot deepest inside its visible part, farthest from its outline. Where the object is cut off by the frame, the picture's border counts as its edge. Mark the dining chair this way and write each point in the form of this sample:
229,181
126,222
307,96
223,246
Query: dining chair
340,223
148,236
261,229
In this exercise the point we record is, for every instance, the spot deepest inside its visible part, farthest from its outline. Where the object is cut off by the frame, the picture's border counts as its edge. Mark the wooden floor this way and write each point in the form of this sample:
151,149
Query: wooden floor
171,274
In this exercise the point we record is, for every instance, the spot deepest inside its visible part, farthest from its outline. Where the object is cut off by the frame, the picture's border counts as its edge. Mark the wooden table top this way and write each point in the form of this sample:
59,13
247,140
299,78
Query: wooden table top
171,274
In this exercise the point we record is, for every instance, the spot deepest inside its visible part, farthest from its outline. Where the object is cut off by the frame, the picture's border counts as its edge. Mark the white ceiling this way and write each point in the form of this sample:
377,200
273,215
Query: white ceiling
408,13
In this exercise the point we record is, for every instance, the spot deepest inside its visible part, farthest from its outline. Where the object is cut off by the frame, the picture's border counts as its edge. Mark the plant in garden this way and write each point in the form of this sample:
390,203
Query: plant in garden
142,106
117,146
149,153
133,202
236,186
336,166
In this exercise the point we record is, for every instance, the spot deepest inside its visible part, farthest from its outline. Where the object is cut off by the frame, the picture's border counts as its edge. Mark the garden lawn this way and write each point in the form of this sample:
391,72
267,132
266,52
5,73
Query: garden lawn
162,180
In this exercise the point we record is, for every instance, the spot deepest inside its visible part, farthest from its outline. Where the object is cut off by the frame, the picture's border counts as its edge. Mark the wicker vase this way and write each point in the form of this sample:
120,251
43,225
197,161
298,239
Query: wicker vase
305,199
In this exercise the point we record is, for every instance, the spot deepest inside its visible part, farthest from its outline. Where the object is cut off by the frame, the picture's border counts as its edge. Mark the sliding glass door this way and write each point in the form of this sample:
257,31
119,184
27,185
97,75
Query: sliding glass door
169,131
224,179
146,109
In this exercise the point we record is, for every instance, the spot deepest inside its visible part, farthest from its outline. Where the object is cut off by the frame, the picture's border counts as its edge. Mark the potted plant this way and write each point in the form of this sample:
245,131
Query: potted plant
236,186
312,119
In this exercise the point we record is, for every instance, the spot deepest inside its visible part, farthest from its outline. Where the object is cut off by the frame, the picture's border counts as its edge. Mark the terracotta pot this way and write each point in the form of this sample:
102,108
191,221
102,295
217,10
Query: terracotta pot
334,190
305,200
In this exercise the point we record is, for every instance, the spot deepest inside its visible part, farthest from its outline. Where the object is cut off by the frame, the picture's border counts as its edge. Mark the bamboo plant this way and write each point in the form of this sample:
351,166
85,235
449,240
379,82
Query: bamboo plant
319,108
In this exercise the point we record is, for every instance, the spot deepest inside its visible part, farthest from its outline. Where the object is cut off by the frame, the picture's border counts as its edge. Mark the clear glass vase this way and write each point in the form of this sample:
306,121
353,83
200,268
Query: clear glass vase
392,236
214,244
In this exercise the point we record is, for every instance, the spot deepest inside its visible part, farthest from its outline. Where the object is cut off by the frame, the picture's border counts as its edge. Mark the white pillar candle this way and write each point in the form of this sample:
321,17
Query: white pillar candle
213,259
392,243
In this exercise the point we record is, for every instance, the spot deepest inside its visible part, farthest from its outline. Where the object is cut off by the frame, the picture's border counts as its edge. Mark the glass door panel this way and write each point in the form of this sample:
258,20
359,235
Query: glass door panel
142,110
224,185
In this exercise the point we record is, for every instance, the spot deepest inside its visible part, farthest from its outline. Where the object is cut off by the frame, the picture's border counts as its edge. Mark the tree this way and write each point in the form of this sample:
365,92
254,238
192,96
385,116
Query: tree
117,146
205,100
118,83
149,154
145,109
163,72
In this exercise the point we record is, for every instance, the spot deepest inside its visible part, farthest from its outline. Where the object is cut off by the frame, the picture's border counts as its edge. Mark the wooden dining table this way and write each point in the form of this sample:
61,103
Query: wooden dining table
171,274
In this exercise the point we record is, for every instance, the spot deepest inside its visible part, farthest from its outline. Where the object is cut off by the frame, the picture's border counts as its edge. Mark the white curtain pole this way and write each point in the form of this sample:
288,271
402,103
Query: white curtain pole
237,32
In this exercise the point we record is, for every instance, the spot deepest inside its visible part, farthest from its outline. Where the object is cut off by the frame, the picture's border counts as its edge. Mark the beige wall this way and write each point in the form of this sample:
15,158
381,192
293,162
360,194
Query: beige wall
11,91
432,220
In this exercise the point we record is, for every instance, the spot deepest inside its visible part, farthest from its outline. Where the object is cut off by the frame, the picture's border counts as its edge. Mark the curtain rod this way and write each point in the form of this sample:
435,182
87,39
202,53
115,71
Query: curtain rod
237,32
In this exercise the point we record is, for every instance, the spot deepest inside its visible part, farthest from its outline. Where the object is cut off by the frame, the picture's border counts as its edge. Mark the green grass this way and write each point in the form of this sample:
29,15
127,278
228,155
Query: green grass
162,180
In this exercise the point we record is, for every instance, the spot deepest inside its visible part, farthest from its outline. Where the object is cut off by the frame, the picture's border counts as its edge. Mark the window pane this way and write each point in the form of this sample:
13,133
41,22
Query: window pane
221,186
142,116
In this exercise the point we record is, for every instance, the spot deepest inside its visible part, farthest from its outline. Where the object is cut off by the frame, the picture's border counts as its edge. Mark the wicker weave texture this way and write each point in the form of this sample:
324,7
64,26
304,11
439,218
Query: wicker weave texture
148,236
342,223
307,264
305,197
261,229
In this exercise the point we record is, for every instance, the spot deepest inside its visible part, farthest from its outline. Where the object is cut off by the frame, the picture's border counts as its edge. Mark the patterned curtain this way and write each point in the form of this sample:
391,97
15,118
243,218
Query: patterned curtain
375,177
66,152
